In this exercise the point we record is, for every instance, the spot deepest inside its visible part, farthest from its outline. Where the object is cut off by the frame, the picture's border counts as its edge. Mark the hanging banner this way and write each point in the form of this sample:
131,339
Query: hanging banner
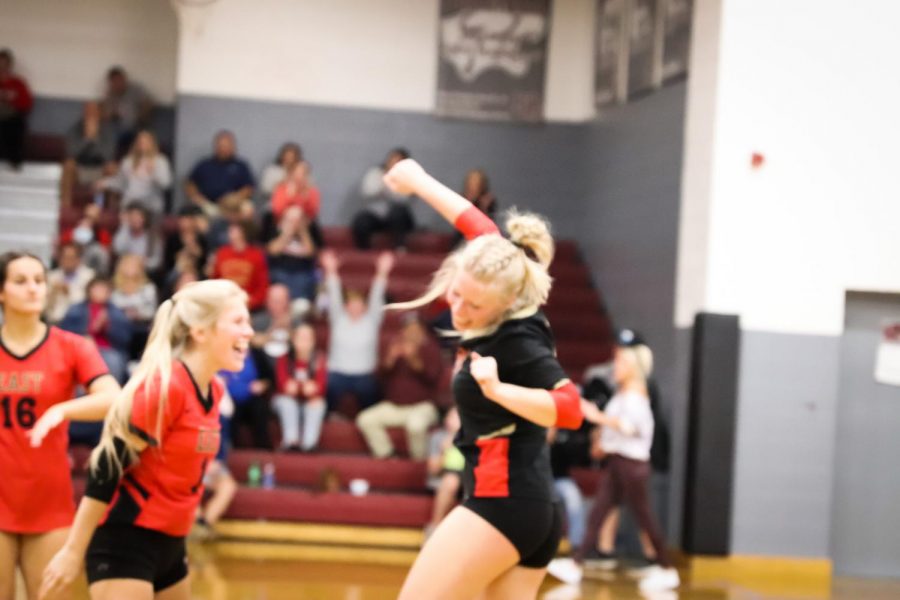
492,59
609,45
641,40
887,362
676,38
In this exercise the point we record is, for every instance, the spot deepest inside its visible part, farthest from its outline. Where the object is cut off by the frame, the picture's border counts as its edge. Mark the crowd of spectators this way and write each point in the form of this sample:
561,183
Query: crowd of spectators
321,349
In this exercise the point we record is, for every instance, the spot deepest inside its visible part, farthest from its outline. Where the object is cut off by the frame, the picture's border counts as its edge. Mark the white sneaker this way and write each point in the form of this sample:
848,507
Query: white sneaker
563,591
638,573
659,579
566,570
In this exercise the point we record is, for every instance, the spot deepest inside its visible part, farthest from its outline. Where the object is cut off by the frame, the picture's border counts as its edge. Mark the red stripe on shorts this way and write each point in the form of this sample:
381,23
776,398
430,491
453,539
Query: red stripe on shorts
492,472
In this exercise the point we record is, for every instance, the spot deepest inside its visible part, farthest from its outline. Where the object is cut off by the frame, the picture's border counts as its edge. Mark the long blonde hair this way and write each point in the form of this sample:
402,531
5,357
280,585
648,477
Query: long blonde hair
198,304
517,266
135,153
121,282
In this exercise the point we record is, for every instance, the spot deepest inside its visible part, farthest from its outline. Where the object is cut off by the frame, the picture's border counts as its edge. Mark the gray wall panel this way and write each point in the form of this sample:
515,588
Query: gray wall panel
57,115
865,536
787,403
538,167
629,235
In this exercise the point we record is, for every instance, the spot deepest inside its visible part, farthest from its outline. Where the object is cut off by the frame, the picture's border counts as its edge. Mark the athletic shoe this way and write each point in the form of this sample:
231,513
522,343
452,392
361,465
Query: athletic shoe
640,568
566,570
600,561
659,579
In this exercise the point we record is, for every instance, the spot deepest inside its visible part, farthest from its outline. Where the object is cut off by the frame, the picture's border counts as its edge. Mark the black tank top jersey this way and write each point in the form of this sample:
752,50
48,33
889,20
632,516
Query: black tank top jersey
507,455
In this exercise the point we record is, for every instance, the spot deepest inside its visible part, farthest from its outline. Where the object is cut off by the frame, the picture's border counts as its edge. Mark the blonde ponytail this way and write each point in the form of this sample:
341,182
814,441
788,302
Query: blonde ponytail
198,304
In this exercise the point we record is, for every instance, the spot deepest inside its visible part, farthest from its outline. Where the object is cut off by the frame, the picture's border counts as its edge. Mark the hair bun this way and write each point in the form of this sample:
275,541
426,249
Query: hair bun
531,232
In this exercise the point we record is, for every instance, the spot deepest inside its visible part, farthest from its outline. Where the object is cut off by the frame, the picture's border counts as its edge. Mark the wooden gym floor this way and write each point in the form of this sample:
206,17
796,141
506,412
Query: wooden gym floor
221,575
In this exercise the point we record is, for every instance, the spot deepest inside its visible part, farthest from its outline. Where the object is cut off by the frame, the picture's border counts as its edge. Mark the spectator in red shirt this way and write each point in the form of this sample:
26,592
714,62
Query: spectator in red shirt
300,380
243,263
297,190
15,104
410,370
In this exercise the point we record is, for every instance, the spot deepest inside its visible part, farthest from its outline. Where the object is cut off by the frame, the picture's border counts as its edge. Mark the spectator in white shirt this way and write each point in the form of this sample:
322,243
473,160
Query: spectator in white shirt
67,285
625,440
144,175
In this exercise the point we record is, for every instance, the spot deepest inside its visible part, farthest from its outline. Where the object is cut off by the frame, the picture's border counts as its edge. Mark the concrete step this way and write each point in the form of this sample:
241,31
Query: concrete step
39,245
38,221
34,170
29,197
25,180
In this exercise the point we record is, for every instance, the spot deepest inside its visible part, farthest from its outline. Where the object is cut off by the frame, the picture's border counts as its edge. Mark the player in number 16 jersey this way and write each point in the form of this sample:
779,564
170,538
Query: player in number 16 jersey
40,367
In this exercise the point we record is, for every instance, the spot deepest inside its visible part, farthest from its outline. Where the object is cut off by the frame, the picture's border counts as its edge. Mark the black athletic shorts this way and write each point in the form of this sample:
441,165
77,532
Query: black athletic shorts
533,526
130,552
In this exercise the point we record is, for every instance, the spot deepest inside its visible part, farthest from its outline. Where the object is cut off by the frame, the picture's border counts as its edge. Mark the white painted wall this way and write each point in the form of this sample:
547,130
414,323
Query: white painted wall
696,174
812,85
362,53
65,48
378,54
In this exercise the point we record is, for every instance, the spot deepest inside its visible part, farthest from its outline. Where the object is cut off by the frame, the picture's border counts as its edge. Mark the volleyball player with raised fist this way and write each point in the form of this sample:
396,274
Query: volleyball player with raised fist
509,387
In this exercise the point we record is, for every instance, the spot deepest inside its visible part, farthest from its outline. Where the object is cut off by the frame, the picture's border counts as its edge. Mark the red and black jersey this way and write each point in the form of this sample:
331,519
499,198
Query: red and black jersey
507,455
35,483
162,491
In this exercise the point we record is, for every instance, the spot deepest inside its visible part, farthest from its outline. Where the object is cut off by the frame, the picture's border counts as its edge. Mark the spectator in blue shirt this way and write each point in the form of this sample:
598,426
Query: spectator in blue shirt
222,175
100,320
249,389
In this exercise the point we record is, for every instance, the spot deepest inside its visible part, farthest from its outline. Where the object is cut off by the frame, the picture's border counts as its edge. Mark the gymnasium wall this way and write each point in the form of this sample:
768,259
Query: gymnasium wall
350,88
629,233
65,48
809,86
355,53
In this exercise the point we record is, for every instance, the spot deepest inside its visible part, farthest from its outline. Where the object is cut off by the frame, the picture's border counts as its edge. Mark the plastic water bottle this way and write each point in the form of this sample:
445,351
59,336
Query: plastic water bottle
254,474
268,476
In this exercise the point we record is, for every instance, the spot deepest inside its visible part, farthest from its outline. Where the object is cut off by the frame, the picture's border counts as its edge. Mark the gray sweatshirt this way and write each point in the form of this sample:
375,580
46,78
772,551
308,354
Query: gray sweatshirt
353,349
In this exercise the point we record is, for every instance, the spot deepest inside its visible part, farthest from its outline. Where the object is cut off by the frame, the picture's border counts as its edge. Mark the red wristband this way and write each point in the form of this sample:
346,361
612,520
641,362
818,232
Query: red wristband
473,223
568,406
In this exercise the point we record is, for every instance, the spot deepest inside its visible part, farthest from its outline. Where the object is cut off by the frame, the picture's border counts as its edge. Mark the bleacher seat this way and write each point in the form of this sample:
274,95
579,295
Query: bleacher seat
287,504
45,147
